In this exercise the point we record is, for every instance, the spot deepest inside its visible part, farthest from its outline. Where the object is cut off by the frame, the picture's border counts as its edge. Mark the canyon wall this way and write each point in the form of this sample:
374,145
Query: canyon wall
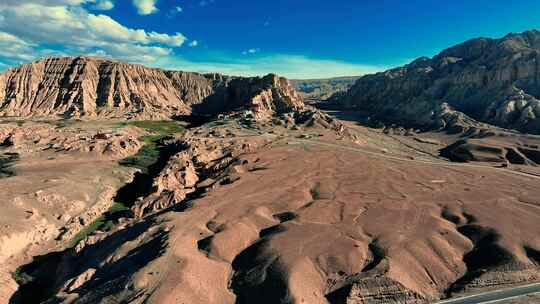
93,88
496,81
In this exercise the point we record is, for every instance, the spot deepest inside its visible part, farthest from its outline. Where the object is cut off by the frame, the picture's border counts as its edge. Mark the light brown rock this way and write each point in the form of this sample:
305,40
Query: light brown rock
490,80
93,88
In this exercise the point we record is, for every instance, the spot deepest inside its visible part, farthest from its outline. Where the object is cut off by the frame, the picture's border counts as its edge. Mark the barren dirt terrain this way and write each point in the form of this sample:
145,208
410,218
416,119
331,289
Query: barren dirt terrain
127,184
306,210
58,180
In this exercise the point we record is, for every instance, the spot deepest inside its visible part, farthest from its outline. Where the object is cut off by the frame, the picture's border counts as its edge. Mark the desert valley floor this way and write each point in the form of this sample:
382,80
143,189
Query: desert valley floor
316,210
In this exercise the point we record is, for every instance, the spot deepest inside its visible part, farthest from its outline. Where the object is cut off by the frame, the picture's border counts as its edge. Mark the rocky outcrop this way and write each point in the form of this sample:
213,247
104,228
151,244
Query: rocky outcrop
93,88
380,290
267,95
250,211
202,162
491,80
322,89
39,137
497,147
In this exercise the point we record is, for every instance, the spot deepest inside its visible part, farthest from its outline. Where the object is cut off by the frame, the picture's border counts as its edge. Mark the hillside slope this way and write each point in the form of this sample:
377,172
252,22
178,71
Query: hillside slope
491,80
322,89
96,88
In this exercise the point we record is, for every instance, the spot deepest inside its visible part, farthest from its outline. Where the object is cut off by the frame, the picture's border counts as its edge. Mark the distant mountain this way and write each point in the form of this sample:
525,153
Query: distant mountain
496,81
322,89
97,88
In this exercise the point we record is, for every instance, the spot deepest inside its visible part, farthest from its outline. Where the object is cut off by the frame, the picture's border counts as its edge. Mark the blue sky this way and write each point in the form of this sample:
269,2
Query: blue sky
295,38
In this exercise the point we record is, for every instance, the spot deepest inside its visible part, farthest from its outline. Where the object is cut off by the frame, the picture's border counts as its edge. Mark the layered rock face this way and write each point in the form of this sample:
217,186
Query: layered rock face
491,80
267,95
322,89
96,88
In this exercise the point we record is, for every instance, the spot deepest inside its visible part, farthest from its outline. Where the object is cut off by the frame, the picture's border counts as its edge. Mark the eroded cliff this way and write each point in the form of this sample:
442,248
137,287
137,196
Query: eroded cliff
93,88
491,80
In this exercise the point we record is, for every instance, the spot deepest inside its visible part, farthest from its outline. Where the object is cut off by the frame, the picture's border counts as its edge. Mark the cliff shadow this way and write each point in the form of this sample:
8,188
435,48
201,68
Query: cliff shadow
41,279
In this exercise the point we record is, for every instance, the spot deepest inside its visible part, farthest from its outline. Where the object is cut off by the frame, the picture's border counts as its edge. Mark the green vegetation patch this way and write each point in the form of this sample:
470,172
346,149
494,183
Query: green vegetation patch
88,230
103,223
21,277
147,156
149,153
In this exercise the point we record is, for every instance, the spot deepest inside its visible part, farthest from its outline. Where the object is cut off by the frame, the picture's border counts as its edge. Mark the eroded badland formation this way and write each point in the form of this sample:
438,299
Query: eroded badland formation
127,184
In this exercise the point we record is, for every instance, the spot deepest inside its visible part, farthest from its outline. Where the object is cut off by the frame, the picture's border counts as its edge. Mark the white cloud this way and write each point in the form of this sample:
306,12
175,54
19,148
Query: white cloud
135,53
103,5
74,30
145,7
8,38
14,48
65,27
290,66
51,24
178,9
251,51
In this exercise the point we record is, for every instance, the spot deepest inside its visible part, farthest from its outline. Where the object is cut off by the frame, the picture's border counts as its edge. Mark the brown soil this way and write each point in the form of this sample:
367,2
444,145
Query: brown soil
305,214
56,181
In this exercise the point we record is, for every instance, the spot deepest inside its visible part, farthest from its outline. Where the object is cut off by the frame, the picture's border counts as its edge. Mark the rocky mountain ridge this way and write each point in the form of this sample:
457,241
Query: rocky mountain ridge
322,89
94,88
490,80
